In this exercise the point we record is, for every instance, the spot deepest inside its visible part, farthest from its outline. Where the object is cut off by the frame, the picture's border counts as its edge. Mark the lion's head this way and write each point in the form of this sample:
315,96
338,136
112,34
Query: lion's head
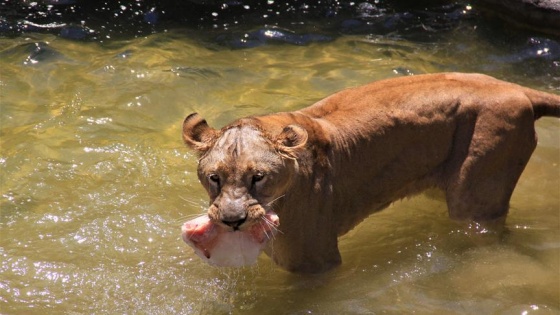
243,167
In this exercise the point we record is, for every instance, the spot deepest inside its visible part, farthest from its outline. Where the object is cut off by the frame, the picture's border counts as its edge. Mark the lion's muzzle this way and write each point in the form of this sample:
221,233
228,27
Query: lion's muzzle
230,208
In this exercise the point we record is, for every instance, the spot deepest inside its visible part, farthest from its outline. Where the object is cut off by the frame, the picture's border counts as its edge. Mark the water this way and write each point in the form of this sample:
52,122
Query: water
96,181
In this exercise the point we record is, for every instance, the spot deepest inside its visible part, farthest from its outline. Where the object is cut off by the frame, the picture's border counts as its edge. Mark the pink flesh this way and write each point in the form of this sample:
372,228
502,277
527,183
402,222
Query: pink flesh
222,247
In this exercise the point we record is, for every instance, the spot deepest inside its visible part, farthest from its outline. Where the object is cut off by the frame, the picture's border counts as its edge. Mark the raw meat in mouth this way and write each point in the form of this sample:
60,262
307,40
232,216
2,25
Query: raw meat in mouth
220,246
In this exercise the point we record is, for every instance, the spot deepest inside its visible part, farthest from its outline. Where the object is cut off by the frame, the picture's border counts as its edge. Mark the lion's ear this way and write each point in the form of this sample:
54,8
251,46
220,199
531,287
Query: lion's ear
291,138
197,134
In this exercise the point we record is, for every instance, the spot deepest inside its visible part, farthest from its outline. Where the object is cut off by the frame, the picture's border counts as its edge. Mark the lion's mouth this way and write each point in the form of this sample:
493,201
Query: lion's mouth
220,246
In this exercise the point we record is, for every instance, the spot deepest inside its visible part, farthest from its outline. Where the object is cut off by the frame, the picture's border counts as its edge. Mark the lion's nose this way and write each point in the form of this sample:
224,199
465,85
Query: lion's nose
234,223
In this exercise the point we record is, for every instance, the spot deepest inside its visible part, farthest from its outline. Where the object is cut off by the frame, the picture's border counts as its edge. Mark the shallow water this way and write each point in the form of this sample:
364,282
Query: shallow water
96,181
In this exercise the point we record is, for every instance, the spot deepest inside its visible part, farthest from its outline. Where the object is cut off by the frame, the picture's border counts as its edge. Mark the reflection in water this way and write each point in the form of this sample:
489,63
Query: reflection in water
96,183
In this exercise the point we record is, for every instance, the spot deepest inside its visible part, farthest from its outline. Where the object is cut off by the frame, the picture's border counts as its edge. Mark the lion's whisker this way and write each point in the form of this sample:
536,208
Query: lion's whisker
188,217
268,236
192,202
274,200
271,225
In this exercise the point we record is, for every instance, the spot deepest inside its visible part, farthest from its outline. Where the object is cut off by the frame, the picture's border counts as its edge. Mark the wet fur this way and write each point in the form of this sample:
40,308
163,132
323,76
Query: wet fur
355,152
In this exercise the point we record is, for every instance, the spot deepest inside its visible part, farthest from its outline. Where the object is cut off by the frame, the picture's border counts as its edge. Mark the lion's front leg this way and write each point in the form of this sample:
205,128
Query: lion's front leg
310,253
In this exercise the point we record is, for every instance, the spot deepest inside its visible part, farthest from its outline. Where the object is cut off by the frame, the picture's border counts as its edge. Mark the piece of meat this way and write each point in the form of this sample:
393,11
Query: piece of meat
219,246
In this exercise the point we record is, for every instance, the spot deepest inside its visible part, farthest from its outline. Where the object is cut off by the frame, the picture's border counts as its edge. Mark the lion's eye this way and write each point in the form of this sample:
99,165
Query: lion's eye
258,177
214,178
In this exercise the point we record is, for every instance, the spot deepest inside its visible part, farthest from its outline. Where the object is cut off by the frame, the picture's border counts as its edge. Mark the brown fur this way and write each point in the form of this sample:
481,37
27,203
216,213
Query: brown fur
326,167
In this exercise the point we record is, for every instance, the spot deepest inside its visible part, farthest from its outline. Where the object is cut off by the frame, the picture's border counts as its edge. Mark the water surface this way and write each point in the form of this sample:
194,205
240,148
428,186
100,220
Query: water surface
96,181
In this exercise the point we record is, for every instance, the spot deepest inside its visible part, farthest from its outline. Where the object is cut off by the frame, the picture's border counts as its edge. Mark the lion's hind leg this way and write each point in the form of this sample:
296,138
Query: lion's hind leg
480,185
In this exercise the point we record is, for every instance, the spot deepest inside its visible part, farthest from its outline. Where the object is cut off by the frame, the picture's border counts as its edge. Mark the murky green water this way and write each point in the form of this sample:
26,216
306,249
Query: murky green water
96,182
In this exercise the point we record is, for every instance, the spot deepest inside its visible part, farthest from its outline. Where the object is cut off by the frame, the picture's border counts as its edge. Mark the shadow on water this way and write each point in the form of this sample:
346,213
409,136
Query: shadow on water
232,24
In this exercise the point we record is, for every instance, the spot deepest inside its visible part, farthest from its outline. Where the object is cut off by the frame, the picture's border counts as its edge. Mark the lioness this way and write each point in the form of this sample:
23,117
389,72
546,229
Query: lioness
325,168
